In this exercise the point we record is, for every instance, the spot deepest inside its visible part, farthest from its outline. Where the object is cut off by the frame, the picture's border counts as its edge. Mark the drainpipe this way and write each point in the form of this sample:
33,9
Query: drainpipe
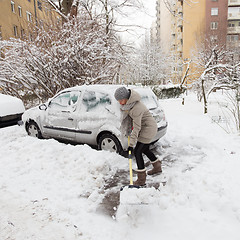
35,11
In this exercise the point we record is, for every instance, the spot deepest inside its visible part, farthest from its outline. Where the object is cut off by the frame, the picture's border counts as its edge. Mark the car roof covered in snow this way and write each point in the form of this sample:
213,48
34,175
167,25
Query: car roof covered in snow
10,105
108,88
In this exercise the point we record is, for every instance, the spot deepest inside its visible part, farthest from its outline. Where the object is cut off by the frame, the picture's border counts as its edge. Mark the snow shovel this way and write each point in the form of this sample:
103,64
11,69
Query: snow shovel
130,168
138,195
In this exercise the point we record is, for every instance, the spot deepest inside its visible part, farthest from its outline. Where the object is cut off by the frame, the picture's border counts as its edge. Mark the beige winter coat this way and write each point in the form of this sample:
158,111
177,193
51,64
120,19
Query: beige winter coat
144,125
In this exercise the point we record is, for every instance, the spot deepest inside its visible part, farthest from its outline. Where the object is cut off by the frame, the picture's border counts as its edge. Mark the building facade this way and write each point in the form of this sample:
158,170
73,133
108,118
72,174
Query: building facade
233,29
196,22
18,17
216,21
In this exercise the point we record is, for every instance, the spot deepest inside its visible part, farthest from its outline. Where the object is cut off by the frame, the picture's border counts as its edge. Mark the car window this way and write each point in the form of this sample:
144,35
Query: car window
149,101
65,101
94,101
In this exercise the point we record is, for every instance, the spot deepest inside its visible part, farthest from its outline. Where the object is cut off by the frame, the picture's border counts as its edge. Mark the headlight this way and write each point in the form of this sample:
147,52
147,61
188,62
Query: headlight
157,118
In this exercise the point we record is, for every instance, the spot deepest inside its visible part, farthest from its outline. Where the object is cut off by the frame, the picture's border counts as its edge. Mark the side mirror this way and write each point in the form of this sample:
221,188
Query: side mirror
43,107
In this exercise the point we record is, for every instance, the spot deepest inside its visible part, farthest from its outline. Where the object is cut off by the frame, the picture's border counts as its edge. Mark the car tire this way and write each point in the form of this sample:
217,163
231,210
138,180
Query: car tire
33,130
109,143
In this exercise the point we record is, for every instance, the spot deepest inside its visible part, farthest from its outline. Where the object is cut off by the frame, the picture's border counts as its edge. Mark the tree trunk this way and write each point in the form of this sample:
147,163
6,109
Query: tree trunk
66,6
204,97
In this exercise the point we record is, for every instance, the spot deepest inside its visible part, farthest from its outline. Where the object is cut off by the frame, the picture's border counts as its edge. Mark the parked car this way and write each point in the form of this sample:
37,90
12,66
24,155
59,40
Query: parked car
89,114
11,110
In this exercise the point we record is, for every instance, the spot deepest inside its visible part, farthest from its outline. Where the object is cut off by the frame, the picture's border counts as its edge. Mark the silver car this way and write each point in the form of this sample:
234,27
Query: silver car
89,114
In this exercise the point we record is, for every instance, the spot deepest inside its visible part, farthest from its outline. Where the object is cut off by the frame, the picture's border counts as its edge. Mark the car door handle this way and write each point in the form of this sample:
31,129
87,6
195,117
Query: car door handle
70,119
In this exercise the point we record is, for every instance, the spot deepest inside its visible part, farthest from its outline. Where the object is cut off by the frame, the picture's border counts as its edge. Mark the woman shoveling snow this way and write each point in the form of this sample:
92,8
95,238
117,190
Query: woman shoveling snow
143,131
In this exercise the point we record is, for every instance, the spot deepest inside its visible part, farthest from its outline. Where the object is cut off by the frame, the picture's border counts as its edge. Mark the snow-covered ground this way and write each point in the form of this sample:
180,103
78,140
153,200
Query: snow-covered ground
50,190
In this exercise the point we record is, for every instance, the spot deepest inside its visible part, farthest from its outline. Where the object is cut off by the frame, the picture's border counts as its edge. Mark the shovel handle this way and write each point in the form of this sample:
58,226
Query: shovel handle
130,163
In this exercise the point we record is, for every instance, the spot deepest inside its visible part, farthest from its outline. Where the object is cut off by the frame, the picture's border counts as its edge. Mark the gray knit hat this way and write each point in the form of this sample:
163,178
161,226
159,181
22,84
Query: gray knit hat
122,93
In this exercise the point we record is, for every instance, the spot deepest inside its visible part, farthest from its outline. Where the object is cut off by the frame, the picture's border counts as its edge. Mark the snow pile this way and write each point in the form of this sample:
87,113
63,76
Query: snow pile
135,196
10,105
50,190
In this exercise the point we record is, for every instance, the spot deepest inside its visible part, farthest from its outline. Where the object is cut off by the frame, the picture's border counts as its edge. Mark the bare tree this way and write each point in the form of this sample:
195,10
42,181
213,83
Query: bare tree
148,65
210,64
73,54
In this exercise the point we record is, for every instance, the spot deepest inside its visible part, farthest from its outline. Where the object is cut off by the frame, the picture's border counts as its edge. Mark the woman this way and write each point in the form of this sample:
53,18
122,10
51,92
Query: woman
144,130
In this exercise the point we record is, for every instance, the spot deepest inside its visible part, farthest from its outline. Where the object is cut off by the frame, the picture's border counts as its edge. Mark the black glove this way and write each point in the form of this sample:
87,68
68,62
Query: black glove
130,149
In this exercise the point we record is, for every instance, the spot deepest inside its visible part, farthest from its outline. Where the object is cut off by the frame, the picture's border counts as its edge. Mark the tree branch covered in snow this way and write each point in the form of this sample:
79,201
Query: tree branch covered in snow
219,69
148,65
76,53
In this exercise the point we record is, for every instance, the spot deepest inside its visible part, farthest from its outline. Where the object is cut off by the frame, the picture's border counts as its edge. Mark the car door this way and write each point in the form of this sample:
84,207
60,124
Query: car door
60,119
92,116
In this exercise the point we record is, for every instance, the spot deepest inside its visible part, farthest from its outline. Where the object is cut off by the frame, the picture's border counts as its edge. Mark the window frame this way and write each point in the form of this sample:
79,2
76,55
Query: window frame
15,30
0,32
20,11
29,16
13,6
214,25
39,5
214,11
22,32
69,106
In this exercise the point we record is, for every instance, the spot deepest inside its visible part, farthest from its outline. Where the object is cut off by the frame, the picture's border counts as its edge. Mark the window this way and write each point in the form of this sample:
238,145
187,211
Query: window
29,16
15,30
95,101
22,33
214,38
20,11
231,24
65,102
41,24
214,25
232,38
214,11
13,6
30,37
39,4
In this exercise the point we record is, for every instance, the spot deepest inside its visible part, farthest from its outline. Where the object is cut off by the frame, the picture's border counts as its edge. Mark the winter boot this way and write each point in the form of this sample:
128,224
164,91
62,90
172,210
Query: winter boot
157,168
141,177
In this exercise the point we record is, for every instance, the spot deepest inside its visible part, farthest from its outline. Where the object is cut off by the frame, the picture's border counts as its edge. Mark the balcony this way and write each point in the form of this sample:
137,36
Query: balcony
179,35
233,16
233,2
179,47
233,30
231,45
179,22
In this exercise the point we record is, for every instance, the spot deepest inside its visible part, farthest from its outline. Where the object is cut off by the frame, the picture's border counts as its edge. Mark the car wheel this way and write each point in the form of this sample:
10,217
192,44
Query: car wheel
33,129
110,143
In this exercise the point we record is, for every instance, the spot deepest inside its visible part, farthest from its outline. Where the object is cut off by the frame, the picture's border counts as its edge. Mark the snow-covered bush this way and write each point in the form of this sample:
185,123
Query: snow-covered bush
75,53
168,91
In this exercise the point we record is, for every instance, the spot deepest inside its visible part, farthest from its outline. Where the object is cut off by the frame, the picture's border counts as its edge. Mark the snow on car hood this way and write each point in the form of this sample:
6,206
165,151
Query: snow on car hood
10,105
32,113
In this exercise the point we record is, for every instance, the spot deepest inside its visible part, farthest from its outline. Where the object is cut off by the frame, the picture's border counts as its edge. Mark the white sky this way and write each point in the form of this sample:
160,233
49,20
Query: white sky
142,19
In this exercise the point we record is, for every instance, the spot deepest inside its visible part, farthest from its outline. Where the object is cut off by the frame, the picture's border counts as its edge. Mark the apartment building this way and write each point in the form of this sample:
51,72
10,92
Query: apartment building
216,21
194,22
180,26
233,29
18,17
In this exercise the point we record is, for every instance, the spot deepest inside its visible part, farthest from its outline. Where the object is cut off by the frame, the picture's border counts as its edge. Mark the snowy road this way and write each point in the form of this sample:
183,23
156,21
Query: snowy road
50,190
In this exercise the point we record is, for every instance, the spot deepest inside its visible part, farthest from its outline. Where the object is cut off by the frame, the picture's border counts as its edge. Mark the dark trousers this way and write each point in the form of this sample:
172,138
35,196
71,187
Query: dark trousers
138,152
